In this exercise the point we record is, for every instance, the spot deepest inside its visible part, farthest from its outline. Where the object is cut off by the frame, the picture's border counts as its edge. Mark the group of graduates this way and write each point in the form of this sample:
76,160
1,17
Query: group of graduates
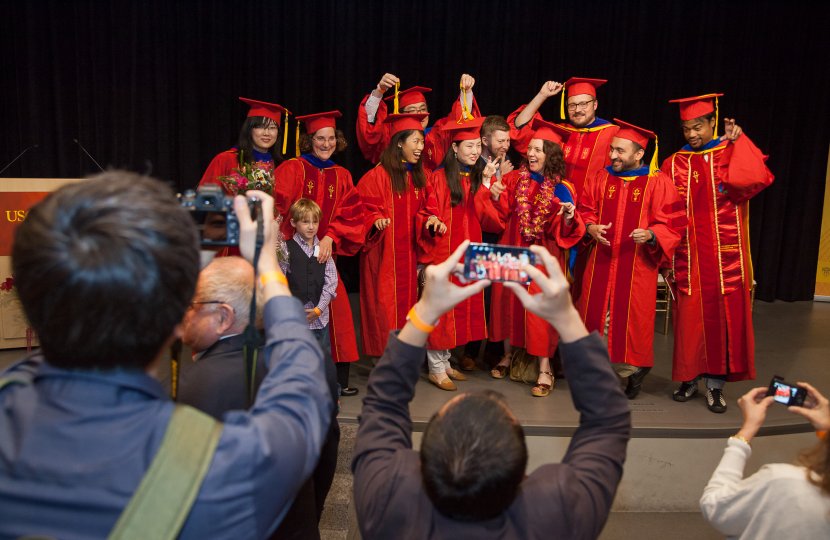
583,190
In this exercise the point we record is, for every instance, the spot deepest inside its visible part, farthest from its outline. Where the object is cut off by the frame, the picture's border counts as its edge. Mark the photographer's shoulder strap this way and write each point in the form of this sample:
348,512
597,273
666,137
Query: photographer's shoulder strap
165,495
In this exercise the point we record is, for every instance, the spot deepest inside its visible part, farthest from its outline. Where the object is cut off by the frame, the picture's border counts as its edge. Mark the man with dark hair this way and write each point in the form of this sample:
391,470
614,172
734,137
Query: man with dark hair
634,220
105,270
468,480
712,268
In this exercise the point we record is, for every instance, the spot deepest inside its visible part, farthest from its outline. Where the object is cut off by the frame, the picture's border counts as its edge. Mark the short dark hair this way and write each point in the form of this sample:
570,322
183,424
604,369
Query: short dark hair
493,123
473,458
705,118
105,269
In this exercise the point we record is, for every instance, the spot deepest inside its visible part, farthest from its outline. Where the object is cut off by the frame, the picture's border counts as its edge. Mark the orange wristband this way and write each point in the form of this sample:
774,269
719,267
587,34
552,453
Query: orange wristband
273,275
416,321
822,434
318,311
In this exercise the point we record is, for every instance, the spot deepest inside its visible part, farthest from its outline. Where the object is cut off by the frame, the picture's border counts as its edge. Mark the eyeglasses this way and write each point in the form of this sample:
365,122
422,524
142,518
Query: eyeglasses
321,140
581,105
412,110
194,304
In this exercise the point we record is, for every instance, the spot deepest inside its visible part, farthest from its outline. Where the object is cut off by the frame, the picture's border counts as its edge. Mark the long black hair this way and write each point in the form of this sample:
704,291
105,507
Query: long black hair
393,162
246,140
452,171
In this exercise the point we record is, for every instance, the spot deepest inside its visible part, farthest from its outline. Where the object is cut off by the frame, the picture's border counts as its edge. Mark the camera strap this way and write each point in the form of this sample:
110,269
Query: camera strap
252,339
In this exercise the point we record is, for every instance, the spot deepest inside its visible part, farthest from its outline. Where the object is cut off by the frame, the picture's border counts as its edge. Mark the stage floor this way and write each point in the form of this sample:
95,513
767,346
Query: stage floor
792,340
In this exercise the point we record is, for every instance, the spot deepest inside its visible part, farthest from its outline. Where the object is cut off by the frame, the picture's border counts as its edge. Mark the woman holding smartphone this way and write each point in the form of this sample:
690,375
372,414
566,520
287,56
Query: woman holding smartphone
536,206
460,195
393,193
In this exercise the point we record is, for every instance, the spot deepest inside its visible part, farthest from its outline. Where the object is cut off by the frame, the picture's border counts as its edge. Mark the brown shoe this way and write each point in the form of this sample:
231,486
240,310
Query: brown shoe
443,384
543,389
467,364
456,375
499,371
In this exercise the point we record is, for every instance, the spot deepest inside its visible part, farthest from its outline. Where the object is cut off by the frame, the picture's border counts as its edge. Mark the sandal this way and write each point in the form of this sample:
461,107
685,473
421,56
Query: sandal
543,389
500,370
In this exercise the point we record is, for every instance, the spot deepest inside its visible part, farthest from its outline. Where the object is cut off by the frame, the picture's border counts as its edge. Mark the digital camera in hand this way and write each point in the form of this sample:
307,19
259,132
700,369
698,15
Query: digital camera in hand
497,263
788,394
214,215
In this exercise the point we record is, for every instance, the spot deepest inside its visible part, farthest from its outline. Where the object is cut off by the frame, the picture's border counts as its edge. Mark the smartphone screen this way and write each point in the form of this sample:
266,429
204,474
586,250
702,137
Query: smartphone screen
785,393
497,263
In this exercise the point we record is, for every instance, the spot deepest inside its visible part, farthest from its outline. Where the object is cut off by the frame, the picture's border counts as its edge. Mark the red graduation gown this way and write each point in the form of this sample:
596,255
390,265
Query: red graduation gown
712,265
508,317
333,190
388,258
466,321
221,165
622,278
373,138
586,149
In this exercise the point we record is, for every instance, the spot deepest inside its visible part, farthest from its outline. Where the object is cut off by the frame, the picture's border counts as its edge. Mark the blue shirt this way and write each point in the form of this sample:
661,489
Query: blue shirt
75,444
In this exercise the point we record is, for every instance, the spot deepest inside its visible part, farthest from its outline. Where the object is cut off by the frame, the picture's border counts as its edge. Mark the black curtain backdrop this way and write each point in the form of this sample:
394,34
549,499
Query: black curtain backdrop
152,86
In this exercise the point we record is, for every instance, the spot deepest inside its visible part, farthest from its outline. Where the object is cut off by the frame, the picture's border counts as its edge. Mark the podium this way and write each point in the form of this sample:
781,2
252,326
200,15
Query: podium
17,195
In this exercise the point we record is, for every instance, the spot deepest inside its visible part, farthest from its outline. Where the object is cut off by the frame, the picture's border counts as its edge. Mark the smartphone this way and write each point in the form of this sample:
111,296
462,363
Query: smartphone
497,263
786,393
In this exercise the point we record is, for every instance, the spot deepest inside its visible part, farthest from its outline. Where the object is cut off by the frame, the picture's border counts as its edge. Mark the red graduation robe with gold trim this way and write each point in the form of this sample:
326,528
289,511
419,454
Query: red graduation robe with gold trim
586,149
712,266
373,138
332,188
621,279
388,258
508,317
465,221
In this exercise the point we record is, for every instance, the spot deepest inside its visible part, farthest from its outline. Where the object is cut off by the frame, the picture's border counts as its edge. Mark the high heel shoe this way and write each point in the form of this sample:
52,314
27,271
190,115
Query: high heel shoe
543,389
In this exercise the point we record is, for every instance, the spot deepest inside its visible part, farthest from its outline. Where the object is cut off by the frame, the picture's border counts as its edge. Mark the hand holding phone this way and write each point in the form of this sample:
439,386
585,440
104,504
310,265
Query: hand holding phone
786,393
497,263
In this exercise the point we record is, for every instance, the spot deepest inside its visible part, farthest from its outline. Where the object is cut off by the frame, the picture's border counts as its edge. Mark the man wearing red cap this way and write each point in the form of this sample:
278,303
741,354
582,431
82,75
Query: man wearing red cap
635,219
586,146
715,178
315,176
373,135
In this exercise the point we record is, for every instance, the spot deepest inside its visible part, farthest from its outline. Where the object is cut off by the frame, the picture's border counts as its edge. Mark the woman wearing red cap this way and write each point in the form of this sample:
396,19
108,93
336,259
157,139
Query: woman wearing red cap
536,205
461,195
393,193
250,164
313,175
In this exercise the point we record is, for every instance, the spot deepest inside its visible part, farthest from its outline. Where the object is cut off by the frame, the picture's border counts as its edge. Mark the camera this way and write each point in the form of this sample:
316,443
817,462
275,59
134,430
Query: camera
497,263
214,215
788,394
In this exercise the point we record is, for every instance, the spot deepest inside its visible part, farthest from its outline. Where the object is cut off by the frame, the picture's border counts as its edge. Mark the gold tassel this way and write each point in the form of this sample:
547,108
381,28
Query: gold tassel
562,105
716,118
465,109
297,140
397,87
653,167
285,134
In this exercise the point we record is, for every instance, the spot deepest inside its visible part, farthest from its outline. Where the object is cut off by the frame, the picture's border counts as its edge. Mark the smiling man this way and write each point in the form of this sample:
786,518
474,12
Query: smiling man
634,218
715,177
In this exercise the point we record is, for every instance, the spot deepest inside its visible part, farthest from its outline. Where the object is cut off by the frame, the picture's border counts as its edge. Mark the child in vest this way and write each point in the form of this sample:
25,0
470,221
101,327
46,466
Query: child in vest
314,283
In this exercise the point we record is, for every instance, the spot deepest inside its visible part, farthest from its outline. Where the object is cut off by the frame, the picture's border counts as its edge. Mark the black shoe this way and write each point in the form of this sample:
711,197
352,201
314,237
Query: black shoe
635,382
348,391
685,391
715,401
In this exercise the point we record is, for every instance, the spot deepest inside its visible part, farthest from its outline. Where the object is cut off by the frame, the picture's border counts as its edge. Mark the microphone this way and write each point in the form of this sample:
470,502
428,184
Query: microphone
88,154
18,157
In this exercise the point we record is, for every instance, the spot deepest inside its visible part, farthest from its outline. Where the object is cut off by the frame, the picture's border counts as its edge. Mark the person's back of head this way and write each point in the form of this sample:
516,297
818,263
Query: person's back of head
473,457
105,269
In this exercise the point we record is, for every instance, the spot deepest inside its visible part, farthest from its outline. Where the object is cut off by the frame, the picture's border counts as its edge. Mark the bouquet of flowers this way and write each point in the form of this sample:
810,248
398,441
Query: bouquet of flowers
258,175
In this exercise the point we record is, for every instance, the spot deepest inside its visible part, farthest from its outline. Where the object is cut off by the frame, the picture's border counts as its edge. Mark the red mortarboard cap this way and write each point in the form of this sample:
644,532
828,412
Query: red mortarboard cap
634,133
411,95
268,110
317,121
402,122
695,107
548,131
580,85
465,131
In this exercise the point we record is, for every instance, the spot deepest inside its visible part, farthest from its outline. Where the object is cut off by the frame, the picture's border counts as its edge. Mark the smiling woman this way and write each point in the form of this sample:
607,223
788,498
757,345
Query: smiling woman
250,164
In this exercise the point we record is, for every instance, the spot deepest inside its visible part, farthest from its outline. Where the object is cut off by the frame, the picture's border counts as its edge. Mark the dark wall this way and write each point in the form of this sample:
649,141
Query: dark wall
152,85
